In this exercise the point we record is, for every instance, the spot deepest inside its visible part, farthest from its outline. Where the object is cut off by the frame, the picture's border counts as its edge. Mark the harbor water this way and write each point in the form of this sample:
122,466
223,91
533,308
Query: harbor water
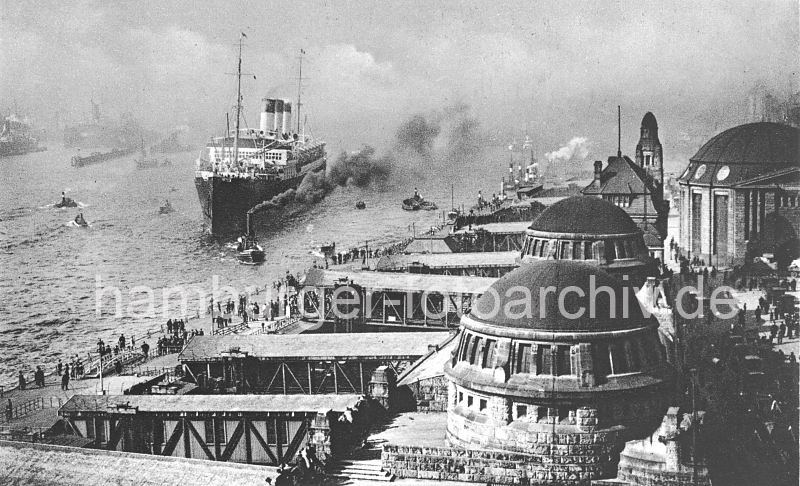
51,269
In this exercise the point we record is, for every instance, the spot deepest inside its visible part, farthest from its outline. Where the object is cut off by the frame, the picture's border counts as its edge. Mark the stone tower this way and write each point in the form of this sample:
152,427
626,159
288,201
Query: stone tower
648,151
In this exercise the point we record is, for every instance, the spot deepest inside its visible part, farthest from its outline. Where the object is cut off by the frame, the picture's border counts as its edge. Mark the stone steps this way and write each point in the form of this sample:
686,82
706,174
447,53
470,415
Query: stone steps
366,470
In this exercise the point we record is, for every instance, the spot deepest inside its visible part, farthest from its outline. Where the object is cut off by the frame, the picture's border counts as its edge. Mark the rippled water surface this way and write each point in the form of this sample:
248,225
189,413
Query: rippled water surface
50,268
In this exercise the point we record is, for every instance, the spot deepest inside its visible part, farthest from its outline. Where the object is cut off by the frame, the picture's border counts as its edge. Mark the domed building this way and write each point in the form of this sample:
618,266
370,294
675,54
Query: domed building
593,230
541,371
739,195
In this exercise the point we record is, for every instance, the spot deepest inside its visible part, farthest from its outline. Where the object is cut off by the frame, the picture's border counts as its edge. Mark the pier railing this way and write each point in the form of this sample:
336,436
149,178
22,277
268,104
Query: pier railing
29,406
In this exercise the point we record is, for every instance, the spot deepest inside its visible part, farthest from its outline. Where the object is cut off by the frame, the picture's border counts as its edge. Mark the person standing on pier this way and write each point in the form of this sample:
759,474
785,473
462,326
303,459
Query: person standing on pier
59,368
22,382
65,379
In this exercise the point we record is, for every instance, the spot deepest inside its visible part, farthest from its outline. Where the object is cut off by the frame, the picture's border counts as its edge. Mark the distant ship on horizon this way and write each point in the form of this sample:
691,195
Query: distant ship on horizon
246,166
17,137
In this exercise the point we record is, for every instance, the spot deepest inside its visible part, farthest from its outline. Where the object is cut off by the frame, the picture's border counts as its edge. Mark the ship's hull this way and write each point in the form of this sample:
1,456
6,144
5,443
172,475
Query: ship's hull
225,201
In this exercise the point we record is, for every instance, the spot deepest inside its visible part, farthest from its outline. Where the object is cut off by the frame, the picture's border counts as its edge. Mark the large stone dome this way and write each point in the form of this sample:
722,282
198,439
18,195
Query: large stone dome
527,299
743,153
584,215
752,143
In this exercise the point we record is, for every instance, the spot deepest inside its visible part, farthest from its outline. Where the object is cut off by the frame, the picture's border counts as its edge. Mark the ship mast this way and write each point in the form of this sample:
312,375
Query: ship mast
299,86
238,104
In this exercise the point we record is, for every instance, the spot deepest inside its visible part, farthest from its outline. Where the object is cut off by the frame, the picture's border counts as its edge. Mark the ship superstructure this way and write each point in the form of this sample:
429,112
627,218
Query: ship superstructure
248,166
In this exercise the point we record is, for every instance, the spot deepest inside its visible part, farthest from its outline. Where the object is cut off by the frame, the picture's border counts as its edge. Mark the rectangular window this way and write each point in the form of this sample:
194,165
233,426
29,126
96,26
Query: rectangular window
209,426
90,428
465,347
282,433
158,431
601,359
482,404
473,355
577,253
541,414
219,431
588,253
611,252
100,430
488,353
563,363
271,438
564,254
460,397
534,247
543,248
544,360
469,400
619,361
523,358
521,411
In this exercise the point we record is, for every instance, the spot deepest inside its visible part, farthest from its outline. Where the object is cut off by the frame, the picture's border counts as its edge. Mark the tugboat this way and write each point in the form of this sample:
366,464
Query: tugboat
417,202
248,166
65,202
248,251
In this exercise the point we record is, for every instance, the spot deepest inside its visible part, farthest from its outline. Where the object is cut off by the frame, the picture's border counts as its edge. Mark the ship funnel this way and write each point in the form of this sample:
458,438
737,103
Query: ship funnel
278,125
264,122
287,117
268,117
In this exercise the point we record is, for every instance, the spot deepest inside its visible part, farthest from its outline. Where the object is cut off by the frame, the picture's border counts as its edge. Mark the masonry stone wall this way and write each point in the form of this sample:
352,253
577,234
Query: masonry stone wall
569,465
430,394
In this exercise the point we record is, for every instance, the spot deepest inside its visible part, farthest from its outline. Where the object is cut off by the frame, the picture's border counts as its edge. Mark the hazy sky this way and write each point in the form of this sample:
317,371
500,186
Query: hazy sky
559,68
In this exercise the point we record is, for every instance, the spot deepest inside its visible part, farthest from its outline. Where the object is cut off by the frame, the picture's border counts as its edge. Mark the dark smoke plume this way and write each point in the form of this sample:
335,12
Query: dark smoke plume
418,135
313,189
361,169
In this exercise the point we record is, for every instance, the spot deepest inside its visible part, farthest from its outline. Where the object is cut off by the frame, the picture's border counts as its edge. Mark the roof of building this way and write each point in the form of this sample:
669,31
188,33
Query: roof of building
621,176
429,245
454,260
528,298
429,366
504,228
399,282
762,143
374,345
24,463
649,121
209,403
585,215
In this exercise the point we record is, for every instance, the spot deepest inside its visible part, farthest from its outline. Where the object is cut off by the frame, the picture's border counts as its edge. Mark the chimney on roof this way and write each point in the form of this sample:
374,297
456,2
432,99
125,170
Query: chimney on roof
598,168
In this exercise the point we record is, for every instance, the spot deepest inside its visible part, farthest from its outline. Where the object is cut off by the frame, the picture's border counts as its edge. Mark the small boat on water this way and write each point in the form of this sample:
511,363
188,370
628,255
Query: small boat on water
65,202
417,203
361,205
248,251
80,221
166,208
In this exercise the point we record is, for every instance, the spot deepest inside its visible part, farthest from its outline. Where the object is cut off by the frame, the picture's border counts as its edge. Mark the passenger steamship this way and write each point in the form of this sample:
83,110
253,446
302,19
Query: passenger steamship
246,167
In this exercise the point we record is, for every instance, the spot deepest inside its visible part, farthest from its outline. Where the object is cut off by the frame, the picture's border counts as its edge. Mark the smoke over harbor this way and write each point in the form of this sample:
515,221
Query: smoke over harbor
424,144
369,70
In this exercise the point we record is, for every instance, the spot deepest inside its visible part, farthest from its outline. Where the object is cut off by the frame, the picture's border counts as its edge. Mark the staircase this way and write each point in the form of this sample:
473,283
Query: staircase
368,469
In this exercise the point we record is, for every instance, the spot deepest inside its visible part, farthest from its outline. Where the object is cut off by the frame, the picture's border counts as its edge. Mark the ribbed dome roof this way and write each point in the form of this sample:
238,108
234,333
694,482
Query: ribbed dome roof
752,143
584,214
504,304
649,121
